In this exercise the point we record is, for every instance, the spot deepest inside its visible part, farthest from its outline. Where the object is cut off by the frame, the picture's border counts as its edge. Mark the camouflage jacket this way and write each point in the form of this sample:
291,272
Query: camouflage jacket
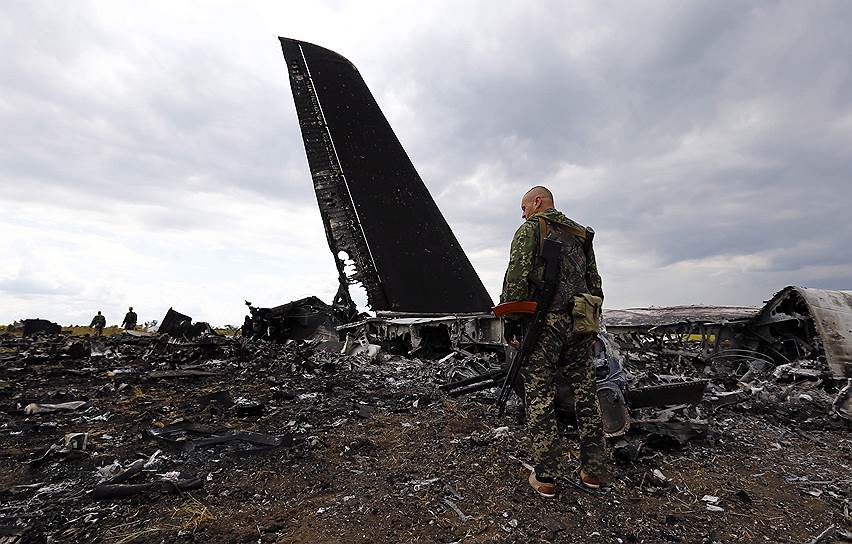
130,319
579,273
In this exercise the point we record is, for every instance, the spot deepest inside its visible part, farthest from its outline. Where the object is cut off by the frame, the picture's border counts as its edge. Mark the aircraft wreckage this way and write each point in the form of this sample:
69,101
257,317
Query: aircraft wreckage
730,424
427,296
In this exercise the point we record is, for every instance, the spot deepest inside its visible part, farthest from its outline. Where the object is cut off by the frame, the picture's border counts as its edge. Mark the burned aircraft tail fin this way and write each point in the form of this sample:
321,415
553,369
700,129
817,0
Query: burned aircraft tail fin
373,203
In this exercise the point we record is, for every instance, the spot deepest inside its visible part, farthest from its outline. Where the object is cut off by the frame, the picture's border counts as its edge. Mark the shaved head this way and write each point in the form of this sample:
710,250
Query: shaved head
541,191
536,200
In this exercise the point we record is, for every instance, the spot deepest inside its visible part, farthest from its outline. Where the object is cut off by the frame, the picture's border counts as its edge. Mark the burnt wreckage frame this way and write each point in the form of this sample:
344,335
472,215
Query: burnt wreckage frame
386,233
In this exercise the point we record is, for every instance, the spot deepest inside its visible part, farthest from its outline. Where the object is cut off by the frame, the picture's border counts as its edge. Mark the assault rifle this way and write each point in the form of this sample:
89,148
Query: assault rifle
551,254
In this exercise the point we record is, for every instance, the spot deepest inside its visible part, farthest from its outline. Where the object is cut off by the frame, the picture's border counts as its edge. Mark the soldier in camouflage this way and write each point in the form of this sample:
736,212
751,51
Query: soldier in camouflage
98,322
561,356
130,318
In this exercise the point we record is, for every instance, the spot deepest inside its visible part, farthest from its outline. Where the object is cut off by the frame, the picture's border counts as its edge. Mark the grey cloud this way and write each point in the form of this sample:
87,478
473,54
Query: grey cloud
692,65
22,285
712,129
173,116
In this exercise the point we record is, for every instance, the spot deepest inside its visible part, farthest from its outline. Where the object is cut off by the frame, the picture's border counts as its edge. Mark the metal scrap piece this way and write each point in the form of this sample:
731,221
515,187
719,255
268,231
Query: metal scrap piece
180,373
842,404
43,408
126,474
679,432
688,392
174,323
175,437
34,326
303,319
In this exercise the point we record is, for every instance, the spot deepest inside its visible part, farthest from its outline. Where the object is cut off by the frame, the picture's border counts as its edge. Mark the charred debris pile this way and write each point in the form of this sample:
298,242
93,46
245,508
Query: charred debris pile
789,358
93,426
96,428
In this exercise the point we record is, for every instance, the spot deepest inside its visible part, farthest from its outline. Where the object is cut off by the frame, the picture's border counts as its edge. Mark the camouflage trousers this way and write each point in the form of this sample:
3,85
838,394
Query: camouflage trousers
563,358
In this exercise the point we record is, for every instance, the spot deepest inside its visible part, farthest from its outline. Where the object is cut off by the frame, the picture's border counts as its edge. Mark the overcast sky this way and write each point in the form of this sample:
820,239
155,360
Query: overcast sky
150,153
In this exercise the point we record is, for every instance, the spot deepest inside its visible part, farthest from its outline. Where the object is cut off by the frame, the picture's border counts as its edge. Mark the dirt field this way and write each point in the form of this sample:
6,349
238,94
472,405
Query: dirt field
370,452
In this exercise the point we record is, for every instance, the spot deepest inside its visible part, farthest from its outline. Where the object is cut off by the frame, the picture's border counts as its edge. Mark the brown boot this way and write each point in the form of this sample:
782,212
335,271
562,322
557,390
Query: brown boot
593,482
546,487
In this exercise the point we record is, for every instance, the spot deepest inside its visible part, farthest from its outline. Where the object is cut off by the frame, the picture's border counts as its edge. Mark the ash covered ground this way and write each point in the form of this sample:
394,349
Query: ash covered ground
223,439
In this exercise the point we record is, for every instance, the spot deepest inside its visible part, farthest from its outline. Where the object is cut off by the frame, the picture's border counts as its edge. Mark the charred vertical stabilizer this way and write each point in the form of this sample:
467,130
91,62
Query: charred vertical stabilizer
374,205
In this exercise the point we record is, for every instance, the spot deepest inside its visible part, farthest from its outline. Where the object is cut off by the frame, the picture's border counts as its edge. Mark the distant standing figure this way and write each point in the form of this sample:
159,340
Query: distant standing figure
130,318
98,322
248,327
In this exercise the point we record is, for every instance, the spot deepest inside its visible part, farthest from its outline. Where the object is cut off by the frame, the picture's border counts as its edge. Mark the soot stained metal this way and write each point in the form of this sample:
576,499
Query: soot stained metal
382,225
801,322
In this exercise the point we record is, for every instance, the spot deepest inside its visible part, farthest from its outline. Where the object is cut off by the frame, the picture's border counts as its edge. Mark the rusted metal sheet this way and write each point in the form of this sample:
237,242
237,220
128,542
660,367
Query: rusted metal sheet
803,322
382,225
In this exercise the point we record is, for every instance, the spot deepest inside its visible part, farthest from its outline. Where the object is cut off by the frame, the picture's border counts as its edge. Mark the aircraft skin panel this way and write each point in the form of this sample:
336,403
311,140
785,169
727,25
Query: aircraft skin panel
374,205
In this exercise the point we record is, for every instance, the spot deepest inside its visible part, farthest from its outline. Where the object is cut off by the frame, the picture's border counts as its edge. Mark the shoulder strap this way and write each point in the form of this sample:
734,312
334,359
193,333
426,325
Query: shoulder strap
577,231
585,234
542,233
